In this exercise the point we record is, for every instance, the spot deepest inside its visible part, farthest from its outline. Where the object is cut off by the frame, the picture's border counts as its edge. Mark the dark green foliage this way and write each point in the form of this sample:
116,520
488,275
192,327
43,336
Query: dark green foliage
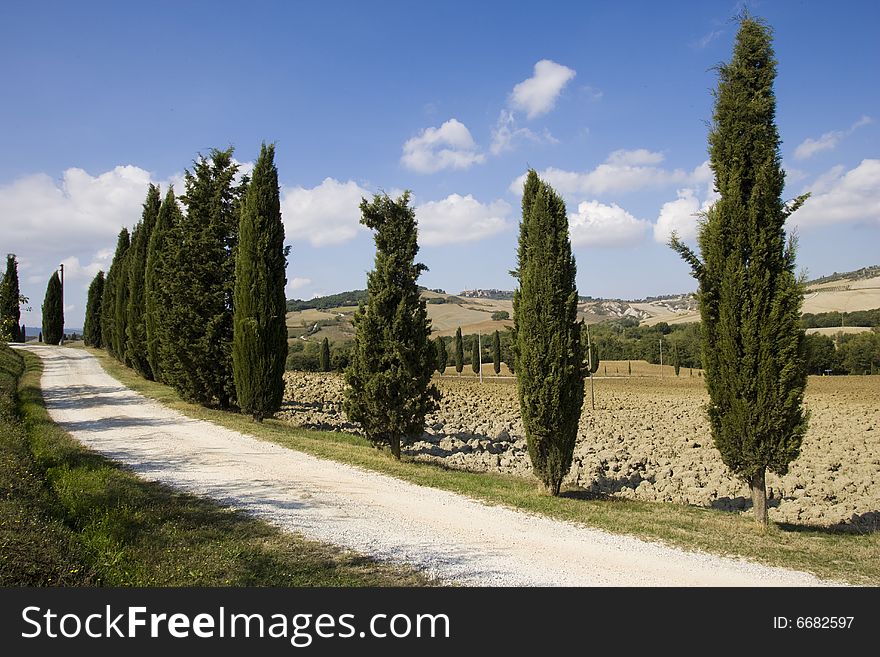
629,368
325,355
858,353
834,318
10,300
442,356
352,298
496,352
92,326
201,282
676,362
549,362
389,389
458,350
136,320
22,336
158,298
476,361
499,315
752,345
112,282
40,337
260,342
53,311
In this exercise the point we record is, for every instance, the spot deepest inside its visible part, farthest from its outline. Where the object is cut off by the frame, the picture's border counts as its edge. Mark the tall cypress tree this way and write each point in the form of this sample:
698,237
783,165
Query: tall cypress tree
10,300
458,348
92,326
549,362
202,282
389,387
157,287
325,355
496,352
260,332
753,348
112,282
476,360
442,356
53,311
136,325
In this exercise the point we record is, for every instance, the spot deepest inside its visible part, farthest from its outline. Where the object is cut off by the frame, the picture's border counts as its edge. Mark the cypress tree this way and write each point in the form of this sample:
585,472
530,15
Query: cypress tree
202,280
475,357
157,287
136,325
459,351
10,300
496,352
22,336
324,358
259,349
53,311
753,348
92,326
112,282
676,363
549,361
442,356
389,389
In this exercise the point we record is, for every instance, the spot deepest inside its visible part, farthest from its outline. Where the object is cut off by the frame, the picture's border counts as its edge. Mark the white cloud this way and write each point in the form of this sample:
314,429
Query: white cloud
506,134
638,157
323,215
597,224
706,39
618,175
679,216
538,94
838,197
458,219
828,141
298,282
450,146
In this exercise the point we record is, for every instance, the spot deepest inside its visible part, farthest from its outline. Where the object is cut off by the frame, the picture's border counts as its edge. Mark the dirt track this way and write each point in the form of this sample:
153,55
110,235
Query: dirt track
450,536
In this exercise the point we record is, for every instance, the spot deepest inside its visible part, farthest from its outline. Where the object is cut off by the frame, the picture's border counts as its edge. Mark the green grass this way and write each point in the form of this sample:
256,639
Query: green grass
70,517
828,552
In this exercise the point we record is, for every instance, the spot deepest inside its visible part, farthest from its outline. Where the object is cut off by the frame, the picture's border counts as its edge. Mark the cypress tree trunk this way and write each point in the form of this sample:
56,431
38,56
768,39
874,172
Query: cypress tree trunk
260,332
389,389
753,347
549,362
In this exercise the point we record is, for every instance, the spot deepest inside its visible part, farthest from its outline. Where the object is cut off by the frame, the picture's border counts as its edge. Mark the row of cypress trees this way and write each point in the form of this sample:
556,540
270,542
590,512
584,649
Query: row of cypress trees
442,355
195,298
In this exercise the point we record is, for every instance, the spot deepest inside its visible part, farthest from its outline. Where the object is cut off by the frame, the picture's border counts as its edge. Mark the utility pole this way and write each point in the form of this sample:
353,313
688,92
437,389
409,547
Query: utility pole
480,353
661,357
590,361
62,303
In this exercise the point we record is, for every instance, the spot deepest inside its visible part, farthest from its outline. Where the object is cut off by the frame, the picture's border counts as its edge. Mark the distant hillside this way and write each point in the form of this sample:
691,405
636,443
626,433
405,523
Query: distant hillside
859,274
352,298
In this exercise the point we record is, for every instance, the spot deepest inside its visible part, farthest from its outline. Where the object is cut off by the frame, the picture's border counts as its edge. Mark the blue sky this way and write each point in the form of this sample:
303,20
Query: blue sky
610,101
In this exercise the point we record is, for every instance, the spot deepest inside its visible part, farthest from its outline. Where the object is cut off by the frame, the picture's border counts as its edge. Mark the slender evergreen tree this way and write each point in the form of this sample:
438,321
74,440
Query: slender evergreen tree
549,362
259,350
53,311
442,356
496,352
157,287
459,351
112,282
201,283
753,348
10,301
476,361
136,323
92,326
324,357
389,389
22,336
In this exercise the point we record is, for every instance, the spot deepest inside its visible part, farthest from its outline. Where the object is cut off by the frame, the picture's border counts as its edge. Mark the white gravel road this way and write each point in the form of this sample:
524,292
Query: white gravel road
450,536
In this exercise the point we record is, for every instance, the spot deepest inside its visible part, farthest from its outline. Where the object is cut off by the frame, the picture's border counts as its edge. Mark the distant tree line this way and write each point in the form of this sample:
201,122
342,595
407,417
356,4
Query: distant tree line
194,296
845,353
352,298
867,318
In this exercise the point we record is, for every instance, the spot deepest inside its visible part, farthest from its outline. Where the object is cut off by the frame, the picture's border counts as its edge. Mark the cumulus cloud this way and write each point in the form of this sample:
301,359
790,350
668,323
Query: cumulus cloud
323,215
506,133
450,146
828,141
538,94
840,196
623,171
298,282
680,216
458,219
597,224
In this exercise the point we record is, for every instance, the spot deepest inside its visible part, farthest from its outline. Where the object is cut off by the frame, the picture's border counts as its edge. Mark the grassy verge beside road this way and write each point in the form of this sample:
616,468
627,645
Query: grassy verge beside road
70,517
828,552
